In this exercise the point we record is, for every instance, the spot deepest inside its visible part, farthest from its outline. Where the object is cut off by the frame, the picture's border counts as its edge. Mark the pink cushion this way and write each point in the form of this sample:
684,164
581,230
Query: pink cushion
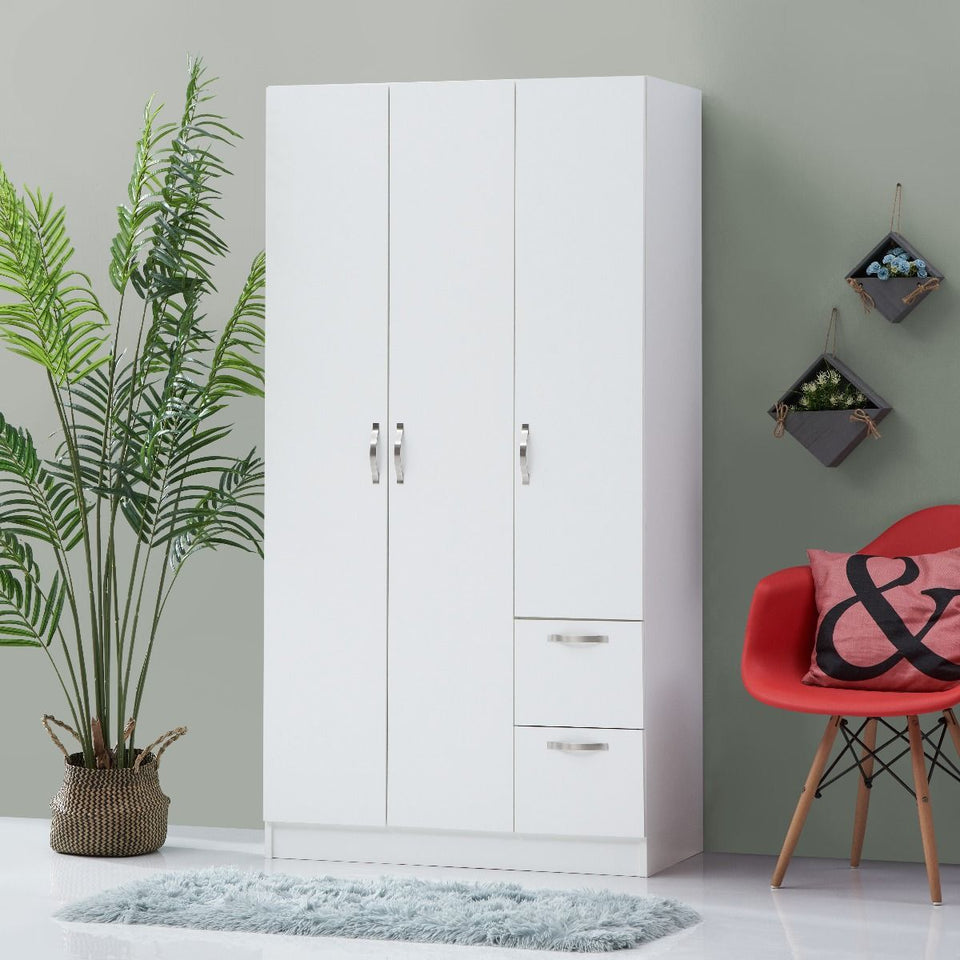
886,623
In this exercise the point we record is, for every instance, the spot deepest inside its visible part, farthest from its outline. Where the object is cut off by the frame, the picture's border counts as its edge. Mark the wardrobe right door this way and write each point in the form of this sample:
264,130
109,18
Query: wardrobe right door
579,345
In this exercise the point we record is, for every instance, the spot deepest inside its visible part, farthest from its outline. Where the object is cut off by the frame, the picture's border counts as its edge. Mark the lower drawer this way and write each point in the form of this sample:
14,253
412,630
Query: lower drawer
579,782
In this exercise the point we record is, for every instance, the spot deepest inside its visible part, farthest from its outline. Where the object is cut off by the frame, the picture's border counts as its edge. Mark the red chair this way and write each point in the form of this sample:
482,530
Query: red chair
776,654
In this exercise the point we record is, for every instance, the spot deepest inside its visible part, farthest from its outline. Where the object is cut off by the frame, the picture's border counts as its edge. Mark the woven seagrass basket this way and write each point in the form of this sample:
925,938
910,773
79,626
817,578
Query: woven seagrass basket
117,812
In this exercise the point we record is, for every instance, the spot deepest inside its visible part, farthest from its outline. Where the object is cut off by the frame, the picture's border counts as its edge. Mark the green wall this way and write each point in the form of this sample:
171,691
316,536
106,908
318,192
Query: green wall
812,111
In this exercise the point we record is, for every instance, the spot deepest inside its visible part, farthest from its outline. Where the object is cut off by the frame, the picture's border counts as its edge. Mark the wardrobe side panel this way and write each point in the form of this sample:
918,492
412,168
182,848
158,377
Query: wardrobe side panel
672,634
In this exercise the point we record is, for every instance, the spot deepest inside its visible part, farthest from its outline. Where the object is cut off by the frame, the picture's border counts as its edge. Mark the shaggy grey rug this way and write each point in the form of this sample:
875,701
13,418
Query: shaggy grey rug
390,908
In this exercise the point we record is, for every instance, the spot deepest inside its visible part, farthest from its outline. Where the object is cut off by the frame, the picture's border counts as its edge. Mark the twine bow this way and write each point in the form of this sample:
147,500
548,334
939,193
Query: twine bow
921,289
782,411
865,298
861,416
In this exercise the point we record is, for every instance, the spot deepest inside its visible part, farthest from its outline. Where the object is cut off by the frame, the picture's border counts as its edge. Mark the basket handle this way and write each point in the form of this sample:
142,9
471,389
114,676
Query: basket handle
171,736
125,736
47,720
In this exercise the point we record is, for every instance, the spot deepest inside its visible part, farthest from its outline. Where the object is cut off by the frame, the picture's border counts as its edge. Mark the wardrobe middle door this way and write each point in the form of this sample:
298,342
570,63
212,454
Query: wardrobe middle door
580,153
450,600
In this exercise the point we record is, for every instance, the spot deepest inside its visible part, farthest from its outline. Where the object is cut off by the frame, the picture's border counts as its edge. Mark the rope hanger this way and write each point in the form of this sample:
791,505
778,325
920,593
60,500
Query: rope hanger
832,328
858,288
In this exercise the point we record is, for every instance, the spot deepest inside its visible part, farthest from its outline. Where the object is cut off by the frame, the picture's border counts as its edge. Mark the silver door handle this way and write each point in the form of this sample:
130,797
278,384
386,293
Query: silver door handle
576,639
375,454
398,453
567,747
524,445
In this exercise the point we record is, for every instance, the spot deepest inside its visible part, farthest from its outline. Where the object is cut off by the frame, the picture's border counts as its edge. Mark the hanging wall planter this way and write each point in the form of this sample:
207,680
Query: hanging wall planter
829,409
894,276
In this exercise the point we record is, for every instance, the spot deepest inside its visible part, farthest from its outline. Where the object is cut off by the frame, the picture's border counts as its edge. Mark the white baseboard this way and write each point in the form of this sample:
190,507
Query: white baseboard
215,838
428,848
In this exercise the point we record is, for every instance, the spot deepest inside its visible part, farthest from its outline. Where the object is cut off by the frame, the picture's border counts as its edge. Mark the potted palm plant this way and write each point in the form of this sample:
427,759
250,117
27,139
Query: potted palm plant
94,538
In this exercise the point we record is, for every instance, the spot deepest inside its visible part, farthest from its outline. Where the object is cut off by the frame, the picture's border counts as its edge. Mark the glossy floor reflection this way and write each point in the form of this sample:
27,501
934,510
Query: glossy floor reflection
825,910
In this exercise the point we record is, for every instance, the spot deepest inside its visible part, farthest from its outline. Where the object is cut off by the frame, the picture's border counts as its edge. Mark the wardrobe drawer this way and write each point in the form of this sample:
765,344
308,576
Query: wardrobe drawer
576,782
578,673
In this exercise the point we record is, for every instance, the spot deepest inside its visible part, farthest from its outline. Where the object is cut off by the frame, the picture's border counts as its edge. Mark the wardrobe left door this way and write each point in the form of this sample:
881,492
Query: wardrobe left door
326,508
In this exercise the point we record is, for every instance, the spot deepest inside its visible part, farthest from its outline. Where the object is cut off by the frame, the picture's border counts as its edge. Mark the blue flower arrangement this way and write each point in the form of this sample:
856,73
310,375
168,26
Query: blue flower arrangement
896,264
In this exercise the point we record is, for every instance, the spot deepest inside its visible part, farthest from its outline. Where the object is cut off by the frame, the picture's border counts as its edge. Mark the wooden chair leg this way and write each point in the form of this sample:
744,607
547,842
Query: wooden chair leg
924,810
863,793
806,799
953,727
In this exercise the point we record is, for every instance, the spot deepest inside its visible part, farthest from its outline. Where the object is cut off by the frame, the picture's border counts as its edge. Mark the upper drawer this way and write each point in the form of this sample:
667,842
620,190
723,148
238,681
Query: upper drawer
578,673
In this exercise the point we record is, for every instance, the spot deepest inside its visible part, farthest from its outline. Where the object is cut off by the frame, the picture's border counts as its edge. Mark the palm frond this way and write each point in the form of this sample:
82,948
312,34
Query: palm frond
176,469
144,201
55,318
108,466
29,615
226,516
176,343
34,502
235,368
177,271
184,243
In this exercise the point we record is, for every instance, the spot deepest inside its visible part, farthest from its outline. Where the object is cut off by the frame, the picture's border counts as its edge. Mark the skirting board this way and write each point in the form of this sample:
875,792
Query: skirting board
428,848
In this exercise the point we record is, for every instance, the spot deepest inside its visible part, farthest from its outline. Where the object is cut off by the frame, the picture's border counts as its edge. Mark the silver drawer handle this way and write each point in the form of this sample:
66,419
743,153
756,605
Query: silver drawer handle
398,453
578,639
567,747
374,453
524,445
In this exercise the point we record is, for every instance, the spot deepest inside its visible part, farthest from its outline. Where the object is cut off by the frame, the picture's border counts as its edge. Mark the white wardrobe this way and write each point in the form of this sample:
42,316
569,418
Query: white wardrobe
483,617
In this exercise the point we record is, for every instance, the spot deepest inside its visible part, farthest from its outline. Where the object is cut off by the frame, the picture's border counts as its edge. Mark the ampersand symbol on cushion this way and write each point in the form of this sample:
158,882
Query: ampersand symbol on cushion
909,645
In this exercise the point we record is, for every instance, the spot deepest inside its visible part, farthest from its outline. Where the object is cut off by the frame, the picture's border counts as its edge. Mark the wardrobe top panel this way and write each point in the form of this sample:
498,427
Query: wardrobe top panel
523,80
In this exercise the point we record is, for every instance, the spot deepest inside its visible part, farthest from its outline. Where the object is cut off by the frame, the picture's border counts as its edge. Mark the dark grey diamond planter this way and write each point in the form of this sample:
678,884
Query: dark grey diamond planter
830,435
898,296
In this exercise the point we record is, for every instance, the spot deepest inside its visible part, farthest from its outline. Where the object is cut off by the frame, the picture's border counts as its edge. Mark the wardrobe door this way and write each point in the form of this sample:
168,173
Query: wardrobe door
579,341
451,387
326,513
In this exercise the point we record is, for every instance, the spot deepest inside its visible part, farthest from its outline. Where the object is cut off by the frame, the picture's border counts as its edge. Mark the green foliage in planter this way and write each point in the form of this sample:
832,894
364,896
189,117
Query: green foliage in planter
828,390
141,432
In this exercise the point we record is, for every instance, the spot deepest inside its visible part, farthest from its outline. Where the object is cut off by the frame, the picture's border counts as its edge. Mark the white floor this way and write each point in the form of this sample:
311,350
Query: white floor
826,910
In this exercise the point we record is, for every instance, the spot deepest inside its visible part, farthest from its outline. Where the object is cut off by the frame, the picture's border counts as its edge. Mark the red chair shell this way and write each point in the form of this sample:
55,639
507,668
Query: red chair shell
782,624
